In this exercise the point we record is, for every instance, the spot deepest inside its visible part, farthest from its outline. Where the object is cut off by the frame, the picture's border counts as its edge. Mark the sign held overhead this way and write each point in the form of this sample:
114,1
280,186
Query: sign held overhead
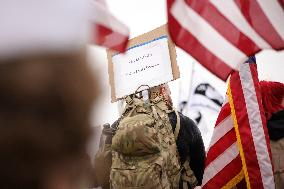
150,60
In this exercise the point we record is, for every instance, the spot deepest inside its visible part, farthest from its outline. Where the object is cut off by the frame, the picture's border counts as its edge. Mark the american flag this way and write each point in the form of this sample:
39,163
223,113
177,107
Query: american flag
223,166
107,30
239,149
220,34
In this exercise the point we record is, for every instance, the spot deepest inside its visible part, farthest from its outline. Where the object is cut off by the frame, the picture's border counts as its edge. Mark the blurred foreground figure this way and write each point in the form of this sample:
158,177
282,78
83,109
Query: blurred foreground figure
150,146
46,94
273,102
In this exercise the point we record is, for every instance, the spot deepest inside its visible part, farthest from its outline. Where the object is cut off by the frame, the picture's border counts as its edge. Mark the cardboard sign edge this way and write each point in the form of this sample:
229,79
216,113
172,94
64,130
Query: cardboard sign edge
149,36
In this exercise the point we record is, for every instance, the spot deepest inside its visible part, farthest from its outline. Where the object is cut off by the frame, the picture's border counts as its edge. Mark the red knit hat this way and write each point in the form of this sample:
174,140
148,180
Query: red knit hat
272,95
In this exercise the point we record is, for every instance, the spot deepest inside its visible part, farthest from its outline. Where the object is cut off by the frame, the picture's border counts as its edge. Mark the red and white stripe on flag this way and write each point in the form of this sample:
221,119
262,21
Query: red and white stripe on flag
239,148
221,34
107,30
223,166
250,126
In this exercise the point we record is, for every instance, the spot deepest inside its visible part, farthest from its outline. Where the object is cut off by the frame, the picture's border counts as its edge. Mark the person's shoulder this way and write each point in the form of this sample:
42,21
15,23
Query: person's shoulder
188,125
186,120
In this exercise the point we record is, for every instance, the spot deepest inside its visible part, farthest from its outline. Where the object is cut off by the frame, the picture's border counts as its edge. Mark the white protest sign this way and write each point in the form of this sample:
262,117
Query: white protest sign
150,60
148,63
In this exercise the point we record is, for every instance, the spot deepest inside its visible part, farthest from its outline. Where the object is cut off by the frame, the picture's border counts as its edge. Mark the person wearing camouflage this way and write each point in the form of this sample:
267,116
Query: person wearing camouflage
171,149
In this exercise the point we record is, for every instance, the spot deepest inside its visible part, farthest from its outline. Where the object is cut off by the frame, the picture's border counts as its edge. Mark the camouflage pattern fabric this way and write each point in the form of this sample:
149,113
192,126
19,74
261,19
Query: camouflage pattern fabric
144,152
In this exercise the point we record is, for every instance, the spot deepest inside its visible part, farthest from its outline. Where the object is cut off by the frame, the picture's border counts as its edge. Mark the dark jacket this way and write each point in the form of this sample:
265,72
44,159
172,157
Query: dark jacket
190,143
275,126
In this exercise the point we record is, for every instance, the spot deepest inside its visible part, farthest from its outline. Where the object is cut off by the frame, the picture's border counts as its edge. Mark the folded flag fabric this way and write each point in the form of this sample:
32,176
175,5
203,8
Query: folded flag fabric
221,34
107,30
239,149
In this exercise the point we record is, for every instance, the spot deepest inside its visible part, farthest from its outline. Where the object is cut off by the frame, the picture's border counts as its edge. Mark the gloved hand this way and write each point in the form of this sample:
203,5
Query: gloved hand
109,131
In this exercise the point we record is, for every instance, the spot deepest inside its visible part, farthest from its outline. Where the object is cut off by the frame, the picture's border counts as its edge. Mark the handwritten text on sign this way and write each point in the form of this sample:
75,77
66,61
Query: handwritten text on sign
145,64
